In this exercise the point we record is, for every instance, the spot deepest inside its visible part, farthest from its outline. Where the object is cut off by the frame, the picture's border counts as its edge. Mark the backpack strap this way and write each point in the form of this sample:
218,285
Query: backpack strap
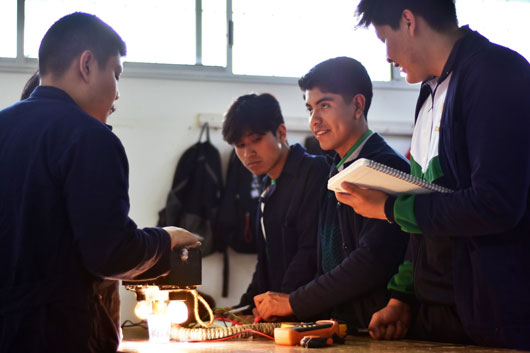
226,273
205,127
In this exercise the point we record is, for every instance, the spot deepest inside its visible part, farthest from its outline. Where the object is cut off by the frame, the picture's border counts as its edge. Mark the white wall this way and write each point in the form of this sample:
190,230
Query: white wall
157,120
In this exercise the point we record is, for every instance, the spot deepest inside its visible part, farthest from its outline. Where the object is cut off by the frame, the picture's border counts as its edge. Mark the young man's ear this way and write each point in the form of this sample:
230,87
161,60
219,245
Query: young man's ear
86,64
408,21
281,132
359,101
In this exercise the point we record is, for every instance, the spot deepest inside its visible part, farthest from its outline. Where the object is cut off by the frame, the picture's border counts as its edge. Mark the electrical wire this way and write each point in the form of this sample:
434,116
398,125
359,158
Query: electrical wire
129,323
238,334
206,333
225,320
214,333
196,299
239,318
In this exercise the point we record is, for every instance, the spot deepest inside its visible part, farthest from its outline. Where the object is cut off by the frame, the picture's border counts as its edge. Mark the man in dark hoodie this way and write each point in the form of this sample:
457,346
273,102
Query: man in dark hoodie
288,206
468,277
64,224
357,255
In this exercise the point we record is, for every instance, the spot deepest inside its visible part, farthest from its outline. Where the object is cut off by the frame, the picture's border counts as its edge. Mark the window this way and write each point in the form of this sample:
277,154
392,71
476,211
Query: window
287,38
8,29
271,38
214,33
161,32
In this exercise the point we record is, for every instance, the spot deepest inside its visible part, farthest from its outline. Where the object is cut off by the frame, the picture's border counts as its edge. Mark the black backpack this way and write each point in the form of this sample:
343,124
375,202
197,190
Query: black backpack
237,215
195,193
312,146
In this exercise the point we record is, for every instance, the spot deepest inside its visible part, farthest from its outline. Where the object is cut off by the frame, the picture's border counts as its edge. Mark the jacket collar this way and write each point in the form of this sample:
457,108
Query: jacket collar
50,92
372,139
292,164
470,42
294,159
466,46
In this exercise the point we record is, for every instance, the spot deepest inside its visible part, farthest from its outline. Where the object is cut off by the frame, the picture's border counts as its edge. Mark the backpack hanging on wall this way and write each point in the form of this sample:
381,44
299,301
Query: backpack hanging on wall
195,194
312,146
237,216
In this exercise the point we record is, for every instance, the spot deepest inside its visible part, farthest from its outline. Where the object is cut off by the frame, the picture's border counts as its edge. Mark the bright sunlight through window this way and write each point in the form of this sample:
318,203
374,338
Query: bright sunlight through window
8,28
287,38
271,38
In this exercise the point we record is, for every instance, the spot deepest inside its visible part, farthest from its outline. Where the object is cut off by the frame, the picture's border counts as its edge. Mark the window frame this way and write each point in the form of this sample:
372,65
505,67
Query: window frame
22,64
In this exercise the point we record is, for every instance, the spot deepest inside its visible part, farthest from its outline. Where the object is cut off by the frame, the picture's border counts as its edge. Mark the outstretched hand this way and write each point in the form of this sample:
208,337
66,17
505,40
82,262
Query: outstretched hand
392,322
271,305
368,203
180,238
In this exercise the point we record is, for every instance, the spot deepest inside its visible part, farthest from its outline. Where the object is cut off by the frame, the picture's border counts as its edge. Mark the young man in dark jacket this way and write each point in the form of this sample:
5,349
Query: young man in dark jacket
357,255
468,278
288,206
64,223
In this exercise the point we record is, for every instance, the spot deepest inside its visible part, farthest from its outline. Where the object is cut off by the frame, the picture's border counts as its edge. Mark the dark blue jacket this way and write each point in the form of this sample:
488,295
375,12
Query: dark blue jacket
287,259
484,152
372,250
64,226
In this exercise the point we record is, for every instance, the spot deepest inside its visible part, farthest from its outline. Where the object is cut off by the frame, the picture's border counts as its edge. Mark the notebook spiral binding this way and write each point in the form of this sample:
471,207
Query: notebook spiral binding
408,177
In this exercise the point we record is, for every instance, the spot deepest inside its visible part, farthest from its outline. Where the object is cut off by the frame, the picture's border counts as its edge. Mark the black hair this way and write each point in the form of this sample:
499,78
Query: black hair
30,86
71,35
342,75
439,14
257,114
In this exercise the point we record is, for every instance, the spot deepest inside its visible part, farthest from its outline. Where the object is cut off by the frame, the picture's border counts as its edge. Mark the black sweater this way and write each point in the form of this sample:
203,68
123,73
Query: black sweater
64,225
287,259
372,251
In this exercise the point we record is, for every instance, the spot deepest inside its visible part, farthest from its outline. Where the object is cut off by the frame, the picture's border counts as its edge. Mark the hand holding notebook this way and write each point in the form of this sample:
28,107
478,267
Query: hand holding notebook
373,175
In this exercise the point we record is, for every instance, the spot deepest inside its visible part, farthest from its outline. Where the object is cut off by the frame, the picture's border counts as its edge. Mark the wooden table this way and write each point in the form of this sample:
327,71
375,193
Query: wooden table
136,340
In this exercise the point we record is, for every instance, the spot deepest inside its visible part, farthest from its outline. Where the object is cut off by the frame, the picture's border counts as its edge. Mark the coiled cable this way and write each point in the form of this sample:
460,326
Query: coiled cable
214,333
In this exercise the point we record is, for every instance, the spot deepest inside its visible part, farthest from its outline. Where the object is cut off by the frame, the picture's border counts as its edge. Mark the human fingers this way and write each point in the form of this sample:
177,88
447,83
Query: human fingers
389,332
258,299
376,327
345,197
264,312
375,332
260,309
401,331
180,237
350,188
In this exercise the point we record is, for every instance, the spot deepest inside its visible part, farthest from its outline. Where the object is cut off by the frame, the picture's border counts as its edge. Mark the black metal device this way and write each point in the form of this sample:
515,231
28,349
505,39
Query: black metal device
185,273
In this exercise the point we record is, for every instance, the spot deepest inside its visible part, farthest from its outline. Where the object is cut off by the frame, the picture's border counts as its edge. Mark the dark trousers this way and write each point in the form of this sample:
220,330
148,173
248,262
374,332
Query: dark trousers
436,322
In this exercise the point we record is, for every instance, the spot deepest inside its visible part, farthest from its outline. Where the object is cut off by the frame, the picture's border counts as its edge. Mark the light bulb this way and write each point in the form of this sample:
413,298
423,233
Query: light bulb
142,309
177,311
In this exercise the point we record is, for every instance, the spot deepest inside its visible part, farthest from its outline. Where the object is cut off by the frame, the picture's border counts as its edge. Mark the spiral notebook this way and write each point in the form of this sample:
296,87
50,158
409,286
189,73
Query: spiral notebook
373,175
